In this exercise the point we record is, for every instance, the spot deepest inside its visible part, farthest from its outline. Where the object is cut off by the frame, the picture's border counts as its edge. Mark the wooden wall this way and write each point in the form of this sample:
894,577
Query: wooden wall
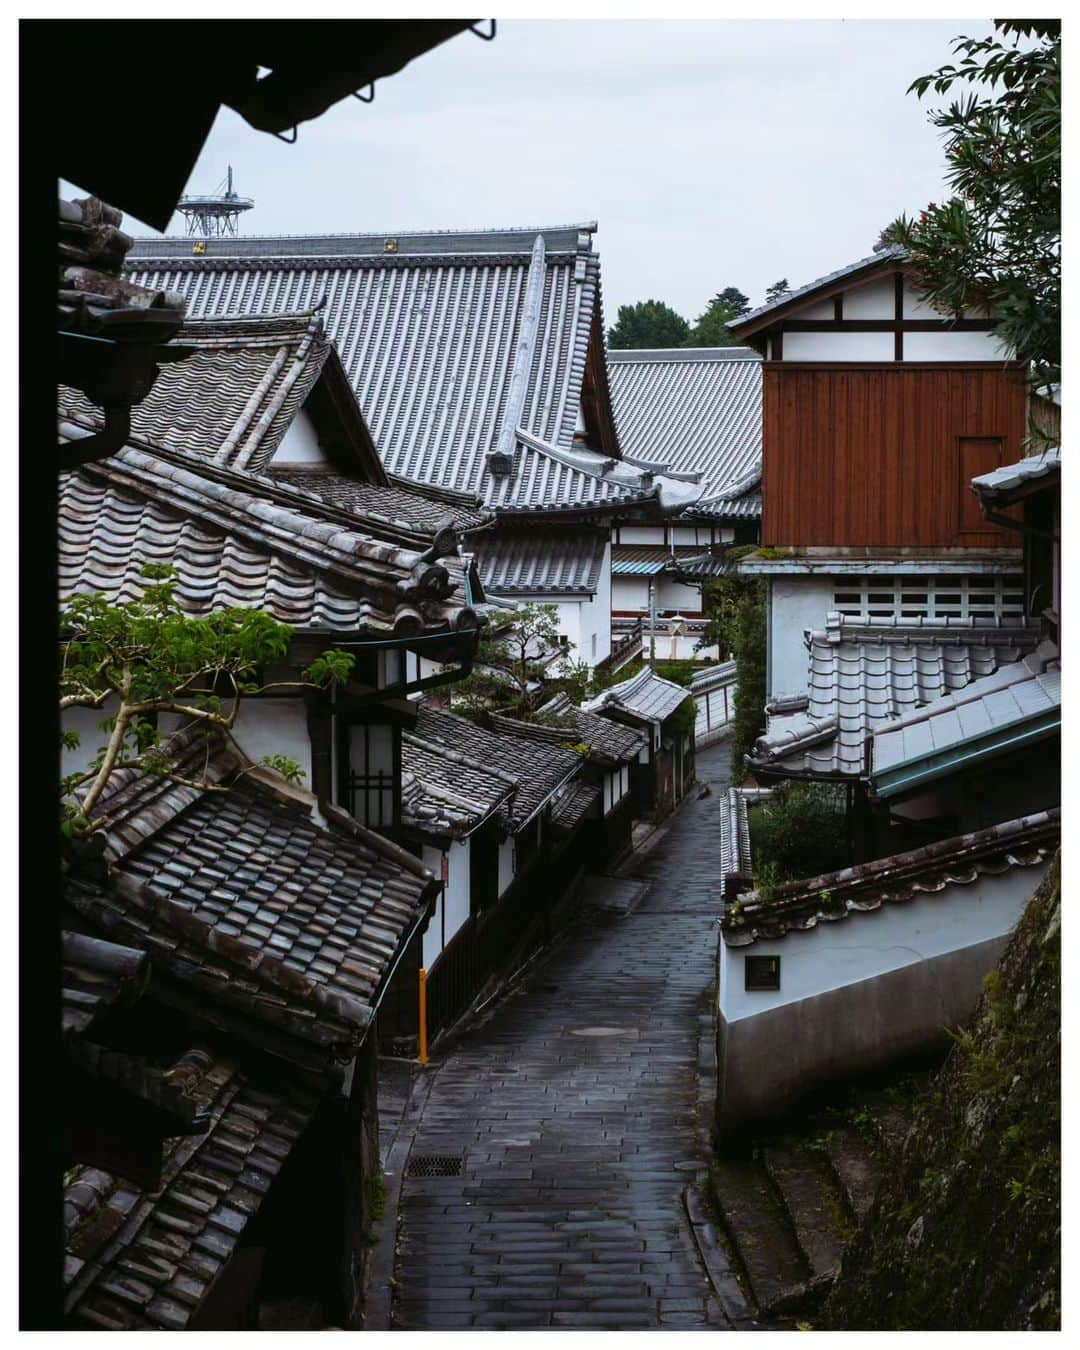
882,455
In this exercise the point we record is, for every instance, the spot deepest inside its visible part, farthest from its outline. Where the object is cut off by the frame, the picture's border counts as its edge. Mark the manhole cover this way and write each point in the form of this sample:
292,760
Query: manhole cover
604,1031
434,1165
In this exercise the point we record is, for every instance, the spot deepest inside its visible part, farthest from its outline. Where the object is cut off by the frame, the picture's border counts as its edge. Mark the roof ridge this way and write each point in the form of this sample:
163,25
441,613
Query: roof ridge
644,355
590,226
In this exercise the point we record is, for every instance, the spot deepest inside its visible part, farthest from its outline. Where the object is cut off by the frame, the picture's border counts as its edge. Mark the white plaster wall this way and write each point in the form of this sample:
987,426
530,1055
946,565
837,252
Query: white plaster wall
452,905
875,300
274,726
641,534
678,595
946,346
630,593
862,946
822,309
300,444
690,534
795,604
506,863
599,611
839,346
85,721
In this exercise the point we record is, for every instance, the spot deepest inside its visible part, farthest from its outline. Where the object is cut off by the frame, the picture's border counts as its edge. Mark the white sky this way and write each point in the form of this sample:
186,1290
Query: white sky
712,153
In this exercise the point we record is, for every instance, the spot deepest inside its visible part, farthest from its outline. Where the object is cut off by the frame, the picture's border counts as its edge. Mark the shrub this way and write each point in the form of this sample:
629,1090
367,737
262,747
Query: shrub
801,831
748,638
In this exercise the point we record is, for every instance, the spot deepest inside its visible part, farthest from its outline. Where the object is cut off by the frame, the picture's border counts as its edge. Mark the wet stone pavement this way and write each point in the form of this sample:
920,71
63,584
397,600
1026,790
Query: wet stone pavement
573,1109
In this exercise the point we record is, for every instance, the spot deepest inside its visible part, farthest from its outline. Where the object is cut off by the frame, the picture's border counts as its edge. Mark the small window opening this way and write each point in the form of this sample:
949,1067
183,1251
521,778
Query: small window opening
762,972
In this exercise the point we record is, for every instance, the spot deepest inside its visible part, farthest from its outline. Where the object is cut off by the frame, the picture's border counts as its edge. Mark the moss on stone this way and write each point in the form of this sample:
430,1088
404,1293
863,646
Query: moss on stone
966,1234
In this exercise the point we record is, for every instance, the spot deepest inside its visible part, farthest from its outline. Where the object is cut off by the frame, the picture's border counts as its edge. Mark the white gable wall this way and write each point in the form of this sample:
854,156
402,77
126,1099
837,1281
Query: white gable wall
452,906
300,445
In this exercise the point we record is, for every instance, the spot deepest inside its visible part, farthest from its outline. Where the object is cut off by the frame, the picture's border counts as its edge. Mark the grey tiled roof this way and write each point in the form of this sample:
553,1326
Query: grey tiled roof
572,806
233,545
539,770
609,743
97,975
415,511
694,411
998,487
453,344
539,561
1013,695
242,898
936,869
232,400
645,695
446,792
892,253
865,672
650,559
138,1260
746,507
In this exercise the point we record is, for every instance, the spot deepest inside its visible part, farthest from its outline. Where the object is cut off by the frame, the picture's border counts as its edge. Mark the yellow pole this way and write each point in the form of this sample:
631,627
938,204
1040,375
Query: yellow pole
423,1015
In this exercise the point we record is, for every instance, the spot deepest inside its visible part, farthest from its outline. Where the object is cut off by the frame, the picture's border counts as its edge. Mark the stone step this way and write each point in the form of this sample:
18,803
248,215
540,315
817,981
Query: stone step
891,1124
857,1169
813,1204
759,1230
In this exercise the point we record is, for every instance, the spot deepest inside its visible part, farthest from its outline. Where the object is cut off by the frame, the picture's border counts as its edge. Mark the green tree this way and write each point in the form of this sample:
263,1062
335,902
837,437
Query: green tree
777,290
149,657
734,298
649,323
995,244
748,644
511,661
711,329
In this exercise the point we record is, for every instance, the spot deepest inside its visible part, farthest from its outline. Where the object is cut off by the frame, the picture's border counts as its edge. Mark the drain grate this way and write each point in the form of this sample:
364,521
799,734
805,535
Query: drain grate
434,1165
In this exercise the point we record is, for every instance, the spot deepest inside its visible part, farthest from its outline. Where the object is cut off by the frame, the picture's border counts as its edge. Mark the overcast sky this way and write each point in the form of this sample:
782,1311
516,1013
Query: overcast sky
710,153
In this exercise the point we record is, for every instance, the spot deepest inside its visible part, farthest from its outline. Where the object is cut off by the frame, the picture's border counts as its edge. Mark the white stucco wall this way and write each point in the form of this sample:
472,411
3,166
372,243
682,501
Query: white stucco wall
678,595
641,534
452,906
85,721
946,346
630,593
795,604
838,346
875,300
863,946
506,863
300,444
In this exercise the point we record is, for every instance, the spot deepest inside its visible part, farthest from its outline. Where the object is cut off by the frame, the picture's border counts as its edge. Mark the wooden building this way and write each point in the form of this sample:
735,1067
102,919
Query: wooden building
659,708
877,412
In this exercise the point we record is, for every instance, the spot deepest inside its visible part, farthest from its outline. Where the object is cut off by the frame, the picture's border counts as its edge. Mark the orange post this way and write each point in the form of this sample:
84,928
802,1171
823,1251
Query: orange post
423,1015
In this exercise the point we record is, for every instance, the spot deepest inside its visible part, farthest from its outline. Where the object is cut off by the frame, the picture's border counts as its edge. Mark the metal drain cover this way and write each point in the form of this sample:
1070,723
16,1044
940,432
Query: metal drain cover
604,1031
434,1165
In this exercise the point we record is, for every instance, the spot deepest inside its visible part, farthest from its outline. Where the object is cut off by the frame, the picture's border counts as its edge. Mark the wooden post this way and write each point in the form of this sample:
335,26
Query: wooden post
422,986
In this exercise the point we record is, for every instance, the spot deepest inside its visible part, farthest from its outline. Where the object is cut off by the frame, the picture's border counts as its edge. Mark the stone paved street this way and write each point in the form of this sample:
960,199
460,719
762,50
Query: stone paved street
574,1104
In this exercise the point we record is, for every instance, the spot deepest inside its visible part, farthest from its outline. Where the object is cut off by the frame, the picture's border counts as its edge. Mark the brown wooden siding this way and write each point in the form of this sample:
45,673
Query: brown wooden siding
878,456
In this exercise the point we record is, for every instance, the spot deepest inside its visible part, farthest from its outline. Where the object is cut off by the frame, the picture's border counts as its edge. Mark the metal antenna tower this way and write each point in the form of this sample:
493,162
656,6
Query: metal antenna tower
216,215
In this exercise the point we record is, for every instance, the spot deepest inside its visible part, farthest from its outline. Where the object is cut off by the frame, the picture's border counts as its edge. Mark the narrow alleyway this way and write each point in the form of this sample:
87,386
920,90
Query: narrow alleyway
573,1108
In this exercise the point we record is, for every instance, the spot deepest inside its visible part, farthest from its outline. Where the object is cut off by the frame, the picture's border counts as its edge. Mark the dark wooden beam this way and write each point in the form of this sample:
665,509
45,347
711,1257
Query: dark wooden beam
898,337
888,326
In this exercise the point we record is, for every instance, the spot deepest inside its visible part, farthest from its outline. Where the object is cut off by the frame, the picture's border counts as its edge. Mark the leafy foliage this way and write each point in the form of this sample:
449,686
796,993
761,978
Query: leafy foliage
678,672
149,657
995,244
649,323
778,289
747,632
512,659
801,831
710,329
